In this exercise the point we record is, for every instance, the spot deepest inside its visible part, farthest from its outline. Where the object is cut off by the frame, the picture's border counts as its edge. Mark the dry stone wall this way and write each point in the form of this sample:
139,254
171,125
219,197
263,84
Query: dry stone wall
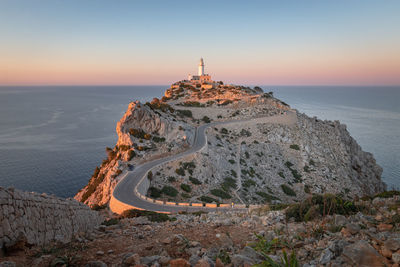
39,219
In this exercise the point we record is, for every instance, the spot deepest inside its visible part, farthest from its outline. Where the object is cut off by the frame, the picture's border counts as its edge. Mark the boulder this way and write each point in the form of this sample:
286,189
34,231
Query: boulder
179,263
393,244
362,254
95,264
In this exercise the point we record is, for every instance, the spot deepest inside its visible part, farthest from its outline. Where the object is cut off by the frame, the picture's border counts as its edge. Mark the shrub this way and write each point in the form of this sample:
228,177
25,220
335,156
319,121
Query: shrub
206,119
247,154
231,161
234,174
220,193
194,180
288,164
193,104
91,187
154,192
171,179
387,194
321,205
229,183
98,207
186,187
151,215
169,191
124,147
245,132
150,175
295,147
306,168
109,222
207,199
248,183
307,189
185,113
267,197
281,174
287,190
180,171
138,133
131,154
224,131
158,139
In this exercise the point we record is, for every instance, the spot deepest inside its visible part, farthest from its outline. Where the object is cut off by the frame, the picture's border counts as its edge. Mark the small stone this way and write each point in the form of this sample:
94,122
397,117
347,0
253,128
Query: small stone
384,227
326,256
149,260
164,260
110,251
202,263
353,228
8,264
393,244
132,259
340,220
218,263
396,257
100,253
179,263
95,264
386,252
166,241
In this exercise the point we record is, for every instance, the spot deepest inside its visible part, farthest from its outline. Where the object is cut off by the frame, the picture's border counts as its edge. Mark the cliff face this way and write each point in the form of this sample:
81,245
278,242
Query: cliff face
144,132
274,154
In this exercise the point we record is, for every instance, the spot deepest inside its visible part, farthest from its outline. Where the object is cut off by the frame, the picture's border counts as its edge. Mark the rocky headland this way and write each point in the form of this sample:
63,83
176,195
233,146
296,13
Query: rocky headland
315,197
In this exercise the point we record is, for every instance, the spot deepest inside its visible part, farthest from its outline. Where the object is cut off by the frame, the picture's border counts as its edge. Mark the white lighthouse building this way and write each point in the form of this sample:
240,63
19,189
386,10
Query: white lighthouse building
201,67
201,77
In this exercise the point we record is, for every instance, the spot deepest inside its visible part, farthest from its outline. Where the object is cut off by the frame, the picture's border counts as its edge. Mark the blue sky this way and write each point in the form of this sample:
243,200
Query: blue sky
153,42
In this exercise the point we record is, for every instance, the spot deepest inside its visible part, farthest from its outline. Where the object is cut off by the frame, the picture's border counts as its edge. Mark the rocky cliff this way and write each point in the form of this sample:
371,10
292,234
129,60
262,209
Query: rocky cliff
274,155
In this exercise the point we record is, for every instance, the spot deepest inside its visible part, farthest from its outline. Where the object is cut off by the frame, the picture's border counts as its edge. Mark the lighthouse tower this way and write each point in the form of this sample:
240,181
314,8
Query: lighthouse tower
201,67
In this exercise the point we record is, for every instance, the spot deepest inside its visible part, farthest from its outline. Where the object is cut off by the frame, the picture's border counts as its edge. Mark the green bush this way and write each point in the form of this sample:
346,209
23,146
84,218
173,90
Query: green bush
321,205
154,192
220,193
207,199
206,119
234,174
281,174
186,187
229,183
267,197
231,161
151,215
109,222
169,191
306,168
295,147
180,171
288,164
150,175
388,194
224,131
287,190
248,183
158,139
171,179
194,180
185,113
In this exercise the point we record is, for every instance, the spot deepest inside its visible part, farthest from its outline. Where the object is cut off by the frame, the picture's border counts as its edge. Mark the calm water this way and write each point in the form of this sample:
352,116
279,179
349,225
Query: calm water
52,138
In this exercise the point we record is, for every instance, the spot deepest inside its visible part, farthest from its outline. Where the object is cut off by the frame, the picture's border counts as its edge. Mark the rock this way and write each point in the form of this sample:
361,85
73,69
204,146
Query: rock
100,253
326,256
202,263
249,252
164,260
353,228
194,259
362,254
393,244
95,264
218,263
240,260
8,264
149,260
384,227
340,220
386,252
166,241
337,247
396,257
179,263
132,259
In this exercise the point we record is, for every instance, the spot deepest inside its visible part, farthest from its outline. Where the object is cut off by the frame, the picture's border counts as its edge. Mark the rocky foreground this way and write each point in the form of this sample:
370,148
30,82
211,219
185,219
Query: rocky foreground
322,231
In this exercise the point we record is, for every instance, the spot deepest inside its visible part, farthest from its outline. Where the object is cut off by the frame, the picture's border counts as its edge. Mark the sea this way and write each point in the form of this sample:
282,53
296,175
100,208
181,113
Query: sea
53,137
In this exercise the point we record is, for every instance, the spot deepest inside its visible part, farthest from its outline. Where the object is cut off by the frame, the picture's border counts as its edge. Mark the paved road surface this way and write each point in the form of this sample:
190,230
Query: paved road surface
125,189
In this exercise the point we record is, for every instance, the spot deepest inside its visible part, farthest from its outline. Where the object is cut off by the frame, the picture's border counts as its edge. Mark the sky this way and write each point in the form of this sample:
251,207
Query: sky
128,42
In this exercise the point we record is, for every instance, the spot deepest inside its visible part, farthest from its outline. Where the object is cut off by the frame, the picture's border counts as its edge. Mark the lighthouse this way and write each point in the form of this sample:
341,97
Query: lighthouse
201,67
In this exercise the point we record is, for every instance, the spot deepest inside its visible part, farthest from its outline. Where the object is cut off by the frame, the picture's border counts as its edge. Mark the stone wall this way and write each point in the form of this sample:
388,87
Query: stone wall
39,219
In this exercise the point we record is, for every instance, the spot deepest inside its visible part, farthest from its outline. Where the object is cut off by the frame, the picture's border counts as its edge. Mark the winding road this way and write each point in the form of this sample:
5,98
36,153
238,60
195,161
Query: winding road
125,195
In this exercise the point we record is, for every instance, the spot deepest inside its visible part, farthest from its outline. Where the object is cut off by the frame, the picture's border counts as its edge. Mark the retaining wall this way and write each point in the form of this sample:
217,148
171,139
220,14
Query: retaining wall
39,219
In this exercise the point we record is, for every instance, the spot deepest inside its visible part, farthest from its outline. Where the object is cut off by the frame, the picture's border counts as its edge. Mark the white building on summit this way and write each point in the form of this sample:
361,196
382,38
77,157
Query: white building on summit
202,77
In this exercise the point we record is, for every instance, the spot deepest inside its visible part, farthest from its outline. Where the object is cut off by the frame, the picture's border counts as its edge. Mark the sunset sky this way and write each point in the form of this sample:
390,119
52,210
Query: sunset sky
87,42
